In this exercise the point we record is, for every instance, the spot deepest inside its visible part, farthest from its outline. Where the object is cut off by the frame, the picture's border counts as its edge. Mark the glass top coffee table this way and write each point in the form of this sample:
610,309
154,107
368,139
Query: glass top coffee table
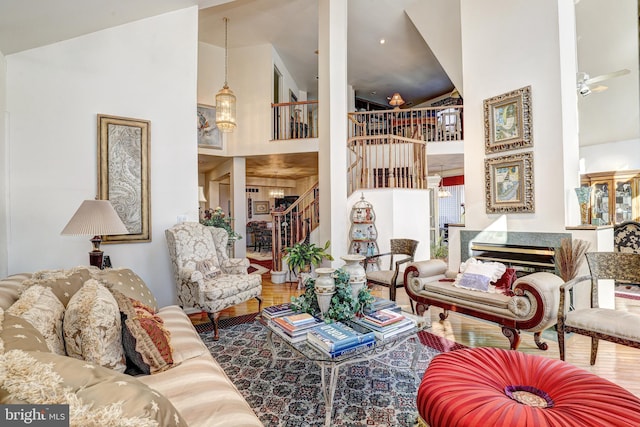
330,366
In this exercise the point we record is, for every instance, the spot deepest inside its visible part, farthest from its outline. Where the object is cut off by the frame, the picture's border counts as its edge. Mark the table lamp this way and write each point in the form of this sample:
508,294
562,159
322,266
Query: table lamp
95,218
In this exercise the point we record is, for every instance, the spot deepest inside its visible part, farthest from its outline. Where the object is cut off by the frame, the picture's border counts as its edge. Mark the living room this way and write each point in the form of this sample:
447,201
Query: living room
148,69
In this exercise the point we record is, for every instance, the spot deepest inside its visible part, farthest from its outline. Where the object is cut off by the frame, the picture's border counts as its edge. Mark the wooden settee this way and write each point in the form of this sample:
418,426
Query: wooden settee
531,303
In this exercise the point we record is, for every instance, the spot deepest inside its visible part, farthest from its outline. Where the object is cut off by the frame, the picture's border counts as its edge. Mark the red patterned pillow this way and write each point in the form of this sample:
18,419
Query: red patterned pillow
504,283
146,342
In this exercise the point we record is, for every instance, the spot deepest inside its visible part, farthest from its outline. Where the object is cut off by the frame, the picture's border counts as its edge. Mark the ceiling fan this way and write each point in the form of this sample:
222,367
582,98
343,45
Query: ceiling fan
587,84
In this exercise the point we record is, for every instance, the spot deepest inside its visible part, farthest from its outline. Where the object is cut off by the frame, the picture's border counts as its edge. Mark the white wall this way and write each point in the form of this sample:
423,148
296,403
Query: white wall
4,165
500,55
614,156
146,69
400,214
250,76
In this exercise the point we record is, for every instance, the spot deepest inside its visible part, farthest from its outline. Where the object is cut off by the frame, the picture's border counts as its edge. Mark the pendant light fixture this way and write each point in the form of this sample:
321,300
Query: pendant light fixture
225,99
441,191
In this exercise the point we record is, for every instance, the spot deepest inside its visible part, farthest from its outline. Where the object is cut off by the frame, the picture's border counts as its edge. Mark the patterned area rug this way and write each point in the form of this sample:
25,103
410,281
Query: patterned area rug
287,392
260,266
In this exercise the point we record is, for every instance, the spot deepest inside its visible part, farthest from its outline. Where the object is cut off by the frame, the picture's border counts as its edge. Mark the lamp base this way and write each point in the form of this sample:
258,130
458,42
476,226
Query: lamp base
95,259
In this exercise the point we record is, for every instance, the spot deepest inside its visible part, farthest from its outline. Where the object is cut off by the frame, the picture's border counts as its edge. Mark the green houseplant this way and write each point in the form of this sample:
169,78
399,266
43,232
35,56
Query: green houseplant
302,255
439,250
343,305
217,218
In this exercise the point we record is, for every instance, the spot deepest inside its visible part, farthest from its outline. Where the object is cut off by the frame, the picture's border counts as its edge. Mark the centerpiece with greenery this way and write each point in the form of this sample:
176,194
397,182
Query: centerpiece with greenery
217,218
343,305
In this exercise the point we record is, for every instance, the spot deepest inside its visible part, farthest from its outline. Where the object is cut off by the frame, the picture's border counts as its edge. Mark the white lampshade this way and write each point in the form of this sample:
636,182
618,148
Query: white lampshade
396,100
201,197
95,217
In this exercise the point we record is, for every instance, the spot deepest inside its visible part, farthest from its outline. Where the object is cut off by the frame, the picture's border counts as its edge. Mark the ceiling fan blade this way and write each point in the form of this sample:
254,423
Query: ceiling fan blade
607,76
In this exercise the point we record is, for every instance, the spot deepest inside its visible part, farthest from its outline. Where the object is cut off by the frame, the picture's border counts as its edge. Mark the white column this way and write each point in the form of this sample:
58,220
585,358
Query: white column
332,106
239,203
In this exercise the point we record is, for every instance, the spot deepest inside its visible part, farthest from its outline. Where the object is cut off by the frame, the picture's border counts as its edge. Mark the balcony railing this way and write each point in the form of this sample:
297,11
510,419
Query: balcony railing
431,124
387,149
294,120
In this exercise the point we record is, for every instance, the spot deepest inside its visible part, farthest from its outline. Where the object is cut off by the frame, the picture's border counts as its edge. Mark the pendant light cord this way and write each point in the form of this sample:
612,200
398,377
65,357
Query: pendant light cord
226,55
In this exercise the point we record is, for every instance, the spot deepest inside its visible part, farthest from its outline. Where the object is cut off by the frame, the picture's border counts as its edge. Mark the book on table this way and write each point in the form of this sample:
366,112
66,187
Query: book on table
383,332
299,319
290,338
333,337
293,330
344,351
277,311
383,317
381,303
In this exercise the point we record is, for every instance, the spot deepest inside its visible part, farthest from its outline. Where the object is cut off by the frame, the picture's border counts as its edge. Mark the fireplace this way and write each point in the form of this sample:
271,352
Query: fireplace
526,252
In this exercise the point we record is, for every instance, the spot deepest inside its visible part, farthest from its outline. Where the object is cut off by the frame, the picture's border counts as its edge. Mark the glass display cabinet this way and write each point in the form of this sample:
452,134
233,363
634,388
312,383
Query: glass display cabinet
614,196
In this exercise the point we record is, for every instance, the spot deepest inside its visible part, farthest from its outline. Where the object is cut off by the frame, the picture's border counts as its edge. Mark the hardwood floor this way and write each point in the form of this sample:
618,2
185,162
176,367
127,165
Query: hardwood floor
618,364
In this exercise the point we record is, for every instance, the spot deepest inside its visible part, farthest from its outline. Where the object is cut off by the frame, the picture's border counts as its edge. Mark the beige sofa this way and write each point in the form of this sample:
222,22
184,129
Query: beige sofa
530,303
193,391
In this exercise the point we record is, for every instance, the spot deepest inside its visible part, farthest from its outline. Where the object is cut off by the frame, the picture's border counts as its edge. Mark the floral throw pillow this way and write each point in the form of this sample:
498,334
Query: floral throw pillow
146,342
92,329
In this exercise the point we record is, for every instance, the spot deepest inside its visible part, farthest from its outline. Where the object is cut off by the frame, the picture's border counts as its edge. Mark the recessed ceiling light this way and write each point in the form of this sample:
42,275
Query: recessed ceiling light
374,92
382,41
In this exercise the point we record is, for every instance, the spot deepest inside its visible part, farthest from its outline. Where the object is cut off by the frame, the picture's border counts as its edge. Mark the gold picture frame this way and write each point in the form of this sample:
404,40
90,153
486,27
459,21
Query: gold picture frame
260,208
509,183
123,174
508,121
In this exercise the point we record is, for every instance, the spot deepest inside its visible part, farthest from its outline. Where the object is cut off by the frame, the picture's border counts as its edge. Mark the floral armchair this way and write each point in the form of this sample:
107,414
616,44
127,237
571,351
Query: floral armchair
206,278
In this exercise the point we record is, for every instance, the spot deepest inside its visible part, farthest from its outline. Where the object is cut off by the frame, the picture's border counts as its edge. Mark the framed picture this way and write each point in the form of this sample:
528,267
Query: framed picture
208,133
260,208
123,174
509,183
507,121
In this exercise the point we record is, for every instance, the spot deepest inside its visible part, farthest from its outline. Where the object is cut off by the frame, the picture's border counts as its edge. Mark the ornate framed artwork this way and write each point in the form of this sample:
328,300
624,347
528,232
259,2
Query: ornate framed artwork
209,135
507,121
260,208
509,183
123,174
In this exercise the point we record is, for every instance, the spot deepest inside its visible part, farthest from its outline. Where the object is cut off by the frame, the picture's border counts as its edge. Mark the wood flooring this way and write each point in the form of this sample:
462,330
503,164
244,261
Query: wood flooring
618,364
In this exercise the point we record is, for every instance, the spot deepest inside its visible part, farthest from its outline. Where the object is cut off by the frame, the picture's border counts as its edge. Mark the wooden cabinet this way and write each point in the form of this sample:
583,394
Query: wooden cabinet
363,234
614,196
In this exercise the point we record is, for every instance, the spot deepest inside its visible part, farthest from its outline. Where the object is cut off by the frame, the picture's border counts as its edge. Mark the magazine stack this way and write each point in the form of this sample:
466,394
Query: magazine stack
336,339
294,327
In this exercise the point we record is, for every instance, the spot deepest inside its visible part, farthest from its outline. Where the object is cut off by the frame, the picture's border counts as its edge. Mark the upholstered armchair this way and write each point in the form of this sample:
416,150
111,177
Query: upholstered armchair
205,276
401,253
615,325
626,237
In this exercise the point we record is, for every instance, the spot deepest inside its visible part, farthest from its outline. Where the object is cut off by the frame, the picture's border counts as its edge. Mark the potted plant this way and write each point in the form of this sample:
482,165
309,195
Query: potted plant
439,250
217,218
301,256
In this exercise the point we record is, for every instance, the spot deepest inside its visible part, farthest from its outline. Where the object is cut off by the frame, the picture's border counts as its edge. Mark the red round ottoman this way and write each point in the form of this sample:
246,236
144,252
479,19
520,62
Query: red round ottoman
496,387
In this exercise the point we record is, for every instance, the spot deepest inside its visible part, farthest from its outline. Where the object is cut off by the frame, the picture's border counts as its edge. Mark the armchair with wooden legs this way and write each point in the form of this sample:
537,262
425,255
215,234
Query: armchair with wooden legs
615,325
402,253
206,278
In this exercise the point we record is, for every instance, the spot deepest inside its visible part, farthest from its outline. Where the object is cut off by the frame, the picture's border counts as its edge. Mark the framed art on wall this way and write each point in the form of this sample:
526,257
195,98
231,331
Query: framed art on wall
509,183
208,133
507,121
260,208
123,174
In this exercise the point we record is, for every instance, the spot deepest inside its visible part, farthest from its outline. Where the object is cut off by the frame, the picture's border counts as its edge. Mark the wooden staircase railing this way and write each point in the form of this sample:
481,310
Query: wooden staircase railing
294,224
